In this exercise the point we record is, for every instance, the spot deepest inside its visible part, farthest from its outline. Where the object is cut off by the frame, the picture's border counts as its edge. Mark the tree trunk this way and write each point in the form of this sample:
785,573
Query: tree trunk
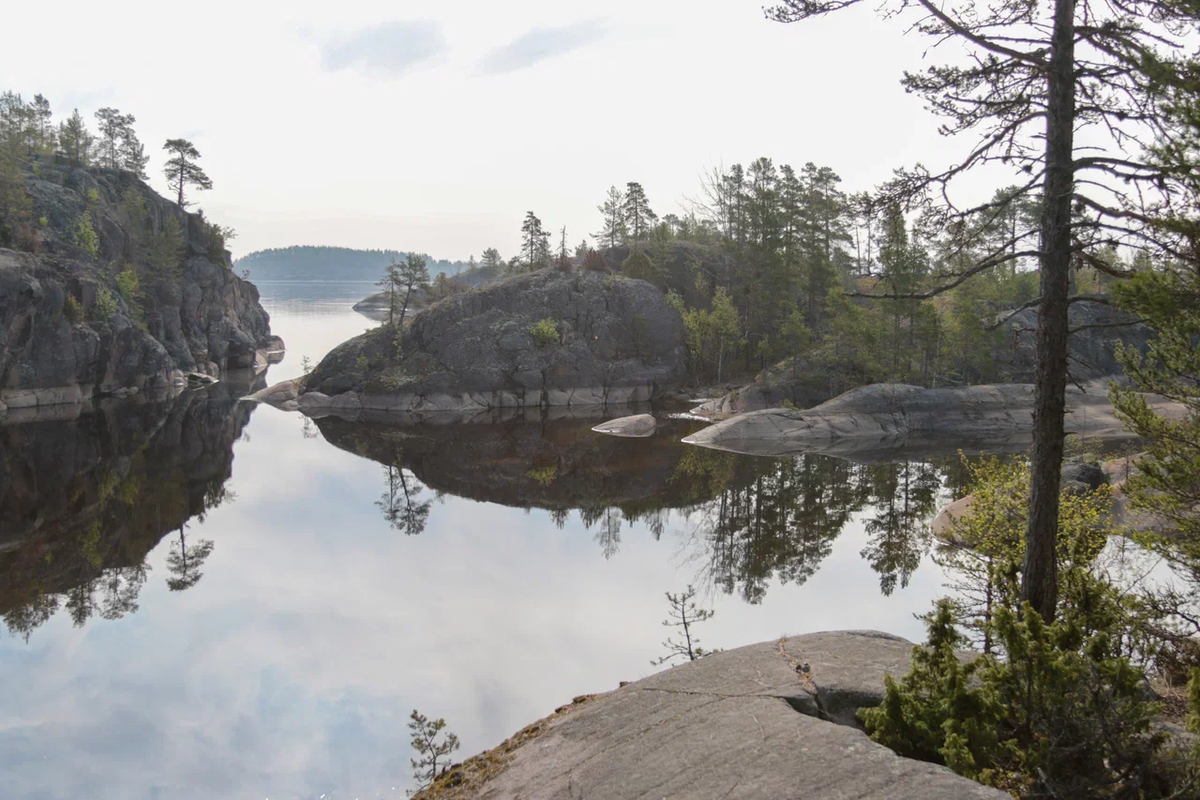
1039,577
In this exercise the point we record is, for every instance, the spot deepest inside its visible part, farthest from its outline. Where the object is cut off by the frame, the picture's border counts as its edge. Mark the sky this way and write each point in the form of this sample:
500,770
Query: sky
435,126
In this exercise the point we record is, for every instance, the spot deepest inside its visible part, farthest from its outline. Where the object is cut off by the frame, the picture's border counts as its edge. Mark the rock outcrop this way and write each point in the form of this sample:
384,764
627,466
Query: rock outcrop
68,332
546,339
636,426
768,720
874,420
818,376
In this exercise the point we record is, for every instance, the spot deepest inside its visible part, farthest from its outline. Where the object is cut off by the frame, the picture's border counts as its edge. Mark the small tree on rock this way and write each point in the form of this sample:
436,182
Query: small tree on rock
432,745
684,614
182,168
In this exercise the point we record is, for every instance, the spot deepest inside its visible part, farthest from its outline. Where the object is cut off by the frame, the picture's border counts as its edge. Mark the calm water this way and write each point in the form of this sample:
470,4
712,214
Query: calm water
208,599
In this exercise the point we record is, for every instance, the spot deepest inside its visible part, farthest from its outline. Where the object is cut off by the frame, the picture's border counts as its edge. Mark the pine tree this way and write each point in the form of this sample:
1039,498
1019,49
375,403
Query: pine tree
535,241
639,218
612,212
413,274
43,125
75,139
115,130
182,169
491,259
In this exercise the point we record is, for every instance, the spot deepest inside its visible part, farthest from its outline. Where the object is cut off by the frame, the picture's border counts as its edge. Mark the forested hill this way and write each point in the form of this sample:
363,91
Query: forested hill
306,262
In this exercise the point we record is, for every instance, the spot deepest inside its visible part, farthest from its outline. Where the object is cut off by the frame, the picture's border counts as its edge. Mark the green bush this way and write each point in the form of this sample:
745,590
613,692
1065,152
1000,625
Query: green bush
545,332
85,235
638,265
130,289
1063,715
362,363
72,310
105,307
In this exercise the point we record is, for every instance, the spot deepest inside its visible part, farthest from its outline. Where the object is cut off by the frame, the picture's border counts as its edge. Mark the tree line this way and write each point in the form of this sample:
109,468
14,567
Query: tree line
28,133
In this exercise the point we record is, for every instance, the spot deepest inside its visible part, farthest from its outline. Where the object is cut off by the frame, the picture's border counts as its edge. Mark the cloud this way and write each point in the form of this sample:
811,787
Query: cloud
389,49
538,44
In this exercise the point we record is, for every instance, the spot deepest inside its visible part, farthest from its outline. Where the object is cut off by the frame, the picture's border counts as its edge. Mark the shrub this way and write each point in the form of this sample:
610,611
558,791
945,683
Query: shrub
1062,716
85,235
130,289
362,363
594,262
544,475
72,310
105,307
638,265
545,332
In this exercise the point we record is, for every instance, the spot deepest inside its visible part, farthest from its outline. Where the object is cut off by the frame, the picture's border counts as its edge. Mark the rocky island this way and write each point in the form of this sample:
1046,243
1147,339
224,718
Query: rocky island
546,339
118,290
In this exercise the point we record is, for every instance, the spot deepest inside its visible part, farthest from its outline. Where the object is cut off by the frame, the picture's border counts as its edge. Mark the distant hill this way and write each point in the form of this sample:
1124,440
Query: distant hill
310,263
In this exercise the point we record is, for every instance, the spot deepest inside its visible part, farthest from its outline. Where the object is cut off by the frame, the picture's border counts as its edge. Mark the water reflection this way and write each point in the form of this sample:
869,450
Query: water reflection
84,500
750,521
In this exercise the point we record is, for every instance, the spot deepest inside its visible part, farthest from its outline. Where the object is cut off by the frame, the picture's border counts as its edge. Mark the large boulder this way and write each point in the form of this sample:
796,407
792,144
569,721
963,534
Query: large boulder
744,723
67,332
549,338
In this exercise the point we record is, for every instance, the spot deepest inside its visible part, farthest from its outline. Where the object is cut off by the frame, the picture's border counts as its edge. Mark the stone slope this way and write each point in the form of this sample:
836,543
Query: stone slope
610,340
744,723
66,331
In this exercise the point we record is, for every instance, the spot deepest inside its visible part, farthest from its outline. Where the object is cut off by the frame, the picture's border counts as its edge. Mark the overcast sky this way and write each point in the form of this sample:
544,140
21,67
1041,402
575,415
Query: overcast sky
435,126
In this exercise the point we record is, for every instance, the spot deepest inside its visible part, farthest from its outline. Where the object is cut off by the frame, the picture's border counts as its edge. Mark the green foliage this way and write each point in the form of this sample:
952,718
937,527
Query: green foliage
1061,716
639,266
85,236
215,239
433,745
544,476
712,334
130,289
1048,710
105,307
72,310
545,332
362,363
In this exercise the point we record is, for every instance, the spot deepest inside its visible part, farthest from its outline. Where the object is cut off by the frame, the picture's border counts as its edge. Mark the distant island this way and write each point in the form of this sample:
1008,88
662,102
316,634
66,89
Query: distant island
315,263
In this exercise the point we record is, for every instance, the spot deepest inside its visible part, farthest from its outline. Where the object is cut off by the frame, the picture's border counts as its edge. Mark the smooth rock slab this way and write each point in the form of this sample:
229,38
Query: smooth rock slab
732,725
638,426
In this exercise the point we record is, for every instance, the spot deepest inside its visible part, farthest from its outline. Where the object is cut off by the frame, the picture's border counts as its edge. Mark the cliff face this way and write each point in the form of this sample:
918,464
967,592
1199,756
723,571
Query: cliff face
74,323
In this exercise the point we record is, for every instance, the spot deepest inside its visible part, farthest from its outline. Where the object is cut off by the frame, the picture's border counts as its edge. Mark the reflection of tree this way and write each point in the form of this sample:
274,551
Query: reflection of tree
158,466
609,535
184,563
904,496
782,525
399,503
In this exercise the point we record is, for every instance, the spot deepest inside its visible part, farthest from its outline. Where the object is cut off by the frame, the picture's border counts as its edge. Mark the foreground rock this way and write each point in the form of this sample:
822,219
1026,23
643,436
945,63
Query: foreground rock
748,723
637,426
871,421
66,331
602,340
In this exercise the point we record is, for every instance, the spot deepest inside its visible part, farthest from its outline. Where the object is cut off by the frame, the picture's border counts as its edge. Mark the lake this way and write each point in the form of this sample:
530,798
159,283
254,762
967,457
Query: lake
205,598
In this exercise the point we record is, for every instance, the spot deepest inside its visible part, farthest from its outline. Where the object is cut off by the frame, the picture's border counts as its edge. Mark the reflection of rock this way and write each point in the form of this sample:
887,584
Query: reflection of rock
750,722
84,498
875,420
559,465
544,339
634,427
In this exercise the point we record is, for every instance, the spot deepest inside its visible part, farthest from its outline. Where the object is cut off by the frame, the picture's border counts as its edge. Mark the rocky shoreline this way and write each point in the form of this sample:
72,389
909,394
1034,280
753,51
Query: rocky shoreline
774,719
874,420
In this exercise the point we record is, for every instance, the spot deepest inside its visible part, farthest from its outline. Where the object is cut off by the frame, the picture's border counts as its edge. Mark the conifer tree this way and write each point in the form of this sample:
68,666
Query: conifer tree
535,241
115,131
612,212
639,218
182,169
75,140
491,259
